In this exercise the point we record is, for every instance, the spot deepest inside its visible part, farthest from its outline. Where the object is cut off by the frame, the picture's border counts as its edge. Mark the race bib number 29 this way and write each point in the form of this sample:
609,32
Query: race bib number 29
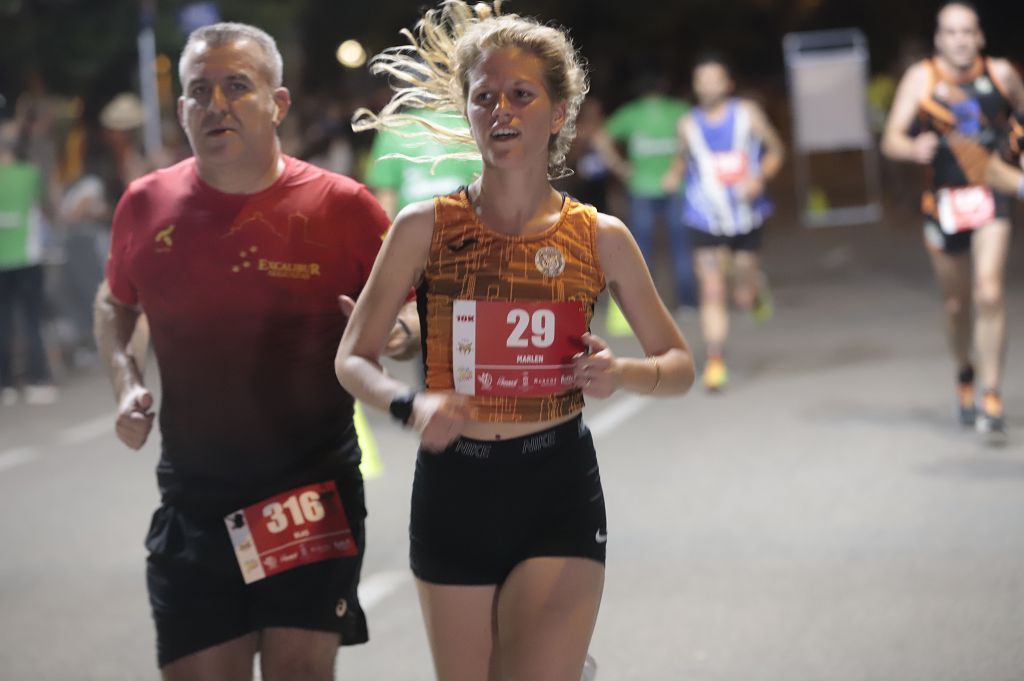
301,526
515,349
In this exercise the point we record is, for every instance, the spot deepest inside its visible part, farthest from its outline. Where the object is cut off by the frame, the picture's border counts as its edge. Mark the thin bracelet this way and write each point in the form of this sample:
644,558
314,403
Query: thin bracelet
657,375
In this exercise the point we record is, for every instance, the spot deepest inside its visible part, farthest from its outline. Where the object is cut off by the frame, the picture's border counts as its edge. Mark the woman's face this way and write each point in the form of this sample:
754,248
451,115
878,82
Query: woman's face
510,110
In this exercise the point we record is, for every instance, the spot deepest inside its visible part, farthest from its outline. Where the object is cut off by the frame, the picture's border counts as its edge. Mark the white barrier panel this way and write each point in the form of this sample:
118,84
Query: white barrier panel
827,73
828,95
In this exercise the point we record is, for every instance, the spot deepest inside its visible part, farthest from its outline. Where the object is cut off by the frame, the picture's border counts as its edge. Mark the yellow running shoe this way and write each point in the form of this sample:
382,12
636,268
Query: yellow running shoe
716,375
764,304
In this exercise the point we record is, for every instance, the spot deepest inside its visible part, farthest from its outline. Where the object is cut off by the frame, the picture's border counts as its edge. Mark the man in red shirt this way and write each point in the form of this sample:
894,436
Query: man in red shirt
238,257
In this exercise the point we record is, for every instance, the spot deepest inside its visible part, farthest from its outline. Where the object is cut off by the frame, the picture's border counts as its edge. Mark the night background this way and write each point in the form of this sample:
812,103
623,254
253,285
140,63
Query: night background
88,47
824,518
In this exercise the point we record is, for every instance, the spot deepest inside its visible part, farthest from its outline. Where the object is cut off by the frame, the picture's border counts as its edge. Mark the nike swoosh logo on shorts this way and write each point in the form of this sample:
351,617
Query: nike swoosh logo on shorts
600,538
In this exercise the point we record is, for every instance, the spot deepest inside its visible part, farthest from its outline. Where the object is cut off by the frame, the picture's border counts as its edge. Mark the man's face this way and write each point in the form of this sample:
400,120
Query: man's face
958,37
711,83
228,108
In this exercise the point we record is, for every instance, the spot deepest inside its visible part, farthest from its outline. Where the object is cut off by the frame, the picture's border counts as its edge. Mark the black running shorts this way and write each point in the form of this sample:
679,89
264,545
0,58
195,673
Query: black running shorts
199,599
751,241
959,243
482,507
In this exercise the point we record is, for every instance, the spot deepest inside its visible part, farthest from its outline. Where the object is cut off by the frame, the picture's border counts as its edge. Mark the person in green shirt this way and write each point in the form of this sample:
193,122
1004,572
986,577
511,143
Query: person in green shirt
402,169
647,127
21,272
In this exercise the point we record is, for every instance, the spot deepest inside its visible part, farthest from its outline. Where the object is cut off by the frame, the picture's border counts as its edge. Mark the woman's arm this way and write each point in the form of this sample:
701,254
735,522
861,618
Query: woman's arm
668,368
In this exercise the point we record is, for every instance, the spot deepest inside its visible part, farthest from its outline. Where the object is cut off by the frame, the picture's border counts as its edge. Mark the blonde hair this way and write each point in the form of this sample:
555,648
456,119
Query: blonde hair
432,72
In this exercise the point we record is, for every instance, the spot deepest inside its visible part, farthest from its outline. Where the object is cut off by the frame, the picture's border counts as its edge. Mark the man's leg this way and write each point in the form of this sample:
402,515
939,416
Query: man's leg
288,654
33,299
989,249
682,252
747,278
229,661
7,283
710,265
641,224
953,273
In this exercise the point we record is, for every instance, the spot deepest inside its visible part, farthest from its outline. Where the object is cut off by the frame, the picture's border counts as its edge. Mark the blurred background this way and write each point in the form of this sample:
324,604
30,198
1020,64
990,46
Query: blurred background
823,519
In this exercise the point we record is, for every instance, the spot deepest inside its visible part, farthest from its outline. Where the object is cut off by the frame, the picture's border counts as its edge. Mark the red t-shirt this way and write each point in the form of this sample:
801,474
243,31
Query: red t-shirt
241,296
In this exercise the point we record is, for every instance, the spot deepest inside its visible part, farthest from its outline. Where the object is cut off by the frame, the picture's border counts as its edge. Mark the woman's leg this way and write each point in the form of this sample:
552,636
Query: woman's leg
546,613
460,630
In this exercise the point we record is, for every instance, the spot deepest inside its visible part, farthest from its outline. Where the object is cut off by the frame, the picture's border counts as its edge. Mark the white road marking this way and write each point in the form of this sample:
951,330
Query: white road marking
612,416
67,437
89,430
10,458
376,587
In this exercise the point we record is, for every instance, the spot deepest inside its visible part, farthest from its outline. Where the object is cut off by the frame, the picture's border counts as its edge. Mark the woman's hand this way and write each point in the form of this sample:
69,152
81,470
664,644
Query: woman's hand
439,417
597,370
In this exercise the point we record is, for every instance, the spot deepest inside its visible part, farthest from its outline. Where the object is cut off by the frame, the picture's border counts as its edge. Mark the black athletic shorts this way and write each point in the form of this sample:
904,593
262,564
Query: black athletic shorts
199,599
482,507
751,241
959,243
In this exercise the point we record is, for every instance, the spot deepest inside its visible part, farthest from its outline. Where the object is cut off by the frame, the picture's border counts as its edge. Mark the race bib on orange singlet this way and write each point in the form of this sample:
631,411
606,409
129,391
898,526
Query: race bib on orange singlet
962,209
301,526
730,166
515,349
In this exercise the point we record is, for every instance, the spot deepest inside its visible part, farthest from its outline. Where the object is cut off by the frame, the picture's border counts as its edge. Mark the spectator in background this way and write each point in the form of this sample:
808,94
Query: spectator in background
589,181
730,150
948,116
21,272
401,169
647,127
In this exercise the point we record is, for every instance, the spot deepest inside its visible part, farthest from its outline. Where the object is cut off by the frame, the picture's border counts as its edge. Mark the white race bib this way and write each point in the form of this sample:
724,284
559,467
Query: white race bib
962,209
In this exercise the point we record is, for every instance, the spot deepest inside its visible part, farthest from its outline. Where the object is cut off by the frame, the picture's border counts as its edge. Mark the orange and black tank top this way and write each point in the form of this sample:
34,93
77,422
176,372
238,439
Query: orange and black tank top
468,261
1013,145
970,114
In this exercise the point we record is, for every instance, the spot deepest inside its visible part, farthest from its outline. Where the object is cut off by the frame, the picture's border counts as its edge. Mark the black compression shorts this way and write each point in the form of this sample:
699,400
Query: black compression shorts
482,507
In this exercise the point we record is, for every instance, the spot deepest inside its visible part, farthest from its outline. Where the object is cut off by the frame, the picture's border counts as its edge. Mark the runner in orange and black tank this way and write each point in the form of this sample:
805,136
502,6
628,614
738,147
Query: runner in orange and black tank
967,112
949,114
507,530
1005,169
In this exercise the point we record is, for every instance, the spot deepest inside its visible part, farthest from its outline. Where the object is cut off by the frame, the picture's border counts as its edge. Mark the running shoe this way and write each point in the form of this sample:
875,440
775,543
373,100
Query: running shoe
966,410
716,375
991,419
764,303
589,669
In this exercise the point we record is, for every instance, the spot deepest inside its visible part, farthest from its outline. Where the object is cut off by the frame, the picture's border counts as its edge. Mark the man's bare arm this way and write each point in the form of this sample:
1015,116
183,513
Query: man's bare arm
122,351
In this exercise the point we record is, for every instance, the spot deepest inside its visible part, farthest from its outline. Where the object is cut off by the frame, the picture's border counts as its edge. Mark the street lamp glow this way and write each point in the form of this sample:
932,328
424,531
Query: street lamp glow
351,54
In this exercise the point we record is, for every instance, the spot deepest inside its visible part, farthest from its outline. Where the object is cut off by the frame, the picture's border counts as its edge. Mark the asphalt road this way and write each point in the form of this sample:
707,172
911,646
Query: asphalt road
823,519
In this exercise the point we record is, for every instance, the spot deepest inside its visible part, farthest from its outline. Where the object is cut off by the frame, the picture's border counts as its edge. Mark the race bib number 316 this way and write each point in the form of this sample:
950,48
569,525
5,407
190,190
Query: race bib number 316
304,525
517,349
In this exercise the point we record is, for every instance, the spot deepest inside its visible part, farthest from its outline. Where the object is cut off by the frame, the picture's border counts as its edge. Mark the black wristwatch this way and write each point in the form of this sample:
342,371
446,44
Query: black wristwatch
401,408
